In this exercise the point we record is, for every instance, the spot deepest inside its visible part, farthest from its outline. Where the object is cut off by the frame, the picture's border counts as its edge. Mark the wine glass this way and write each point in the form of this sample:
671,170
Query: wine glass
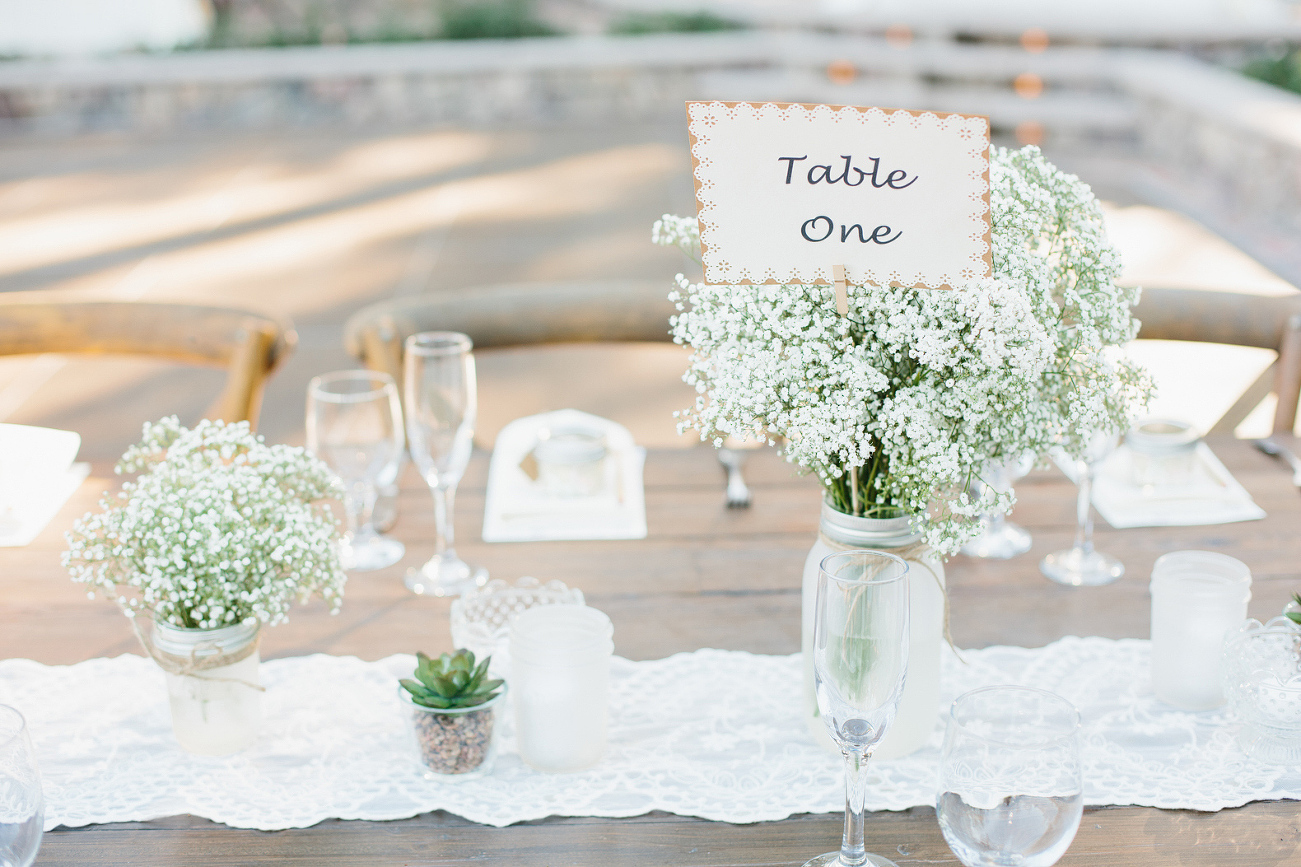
442,405
860,655
22,809
354,424
1011,790
999,538
1081,565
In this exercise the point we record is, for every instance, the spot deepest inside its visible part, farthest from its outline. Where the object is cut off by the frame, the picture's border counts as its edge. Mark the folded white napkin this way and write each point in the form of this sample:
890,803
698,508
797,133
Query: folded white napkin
37,476
1210,496
519,509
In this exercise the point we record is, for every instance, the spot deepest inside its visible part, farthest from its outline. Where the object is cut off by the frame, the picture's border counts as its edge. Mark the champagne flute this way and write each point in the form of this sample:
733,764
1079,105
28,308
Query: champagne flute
354,424
442,406
1081,565
22,809
860,655
1011,789
999,538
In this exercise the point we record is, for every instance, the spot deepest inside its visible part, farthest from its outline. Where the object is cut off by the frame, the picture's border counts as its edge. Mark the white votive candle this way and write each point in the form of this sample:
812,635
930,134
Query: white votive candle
560,683
1197,597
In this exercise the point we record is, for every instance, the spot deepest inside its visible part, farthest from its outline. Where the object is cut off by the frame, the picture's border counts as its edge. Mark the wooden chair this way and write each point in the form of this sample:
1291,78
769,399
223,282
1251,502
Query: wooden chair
514,315
522,314
249,346
1240,320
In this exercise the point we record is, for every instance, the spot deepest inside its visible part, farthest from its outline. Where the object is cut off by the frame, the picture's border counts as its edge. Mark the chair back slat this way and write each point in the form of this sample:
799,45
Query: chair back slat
247,345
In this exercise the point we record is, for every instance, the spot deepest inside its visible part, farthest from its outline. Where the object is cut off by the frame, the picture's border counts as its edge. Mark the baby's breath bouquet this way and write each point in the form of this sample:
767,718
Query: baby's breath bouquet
219,528
901,405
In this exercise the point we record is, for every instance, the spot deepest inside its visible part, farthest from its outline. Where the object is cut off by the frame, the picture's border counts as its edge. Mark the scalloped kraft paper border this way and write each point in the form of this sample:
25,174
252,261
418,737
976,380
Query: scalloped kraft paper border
977,263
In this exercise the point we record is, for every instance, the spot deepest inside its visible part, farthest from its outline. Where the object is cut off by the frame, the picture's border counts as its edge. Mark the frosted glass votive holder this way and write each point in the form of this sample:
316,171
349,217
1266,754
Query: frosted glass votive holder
560,680
1197,598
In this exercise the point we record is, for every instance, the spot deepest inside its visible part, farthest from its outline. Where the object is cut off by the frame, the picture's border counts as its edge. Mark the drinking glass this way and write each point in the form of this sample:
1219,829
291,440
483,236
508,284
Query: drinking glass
441,405
1011,791
999,538
22,810
354,424
860,654
1082,565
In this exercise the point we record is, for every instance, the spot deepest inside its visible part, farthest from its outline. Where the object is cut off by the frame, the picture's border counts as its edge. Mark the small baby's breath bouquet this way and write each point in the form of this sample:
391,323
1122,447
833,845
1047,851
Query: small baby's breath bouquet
899,406
219,528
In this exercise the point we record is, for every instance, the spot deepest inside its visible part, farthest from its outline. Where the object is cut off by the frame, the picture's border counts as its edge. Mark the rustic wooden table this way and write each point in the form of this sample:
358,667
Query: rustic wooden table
705,577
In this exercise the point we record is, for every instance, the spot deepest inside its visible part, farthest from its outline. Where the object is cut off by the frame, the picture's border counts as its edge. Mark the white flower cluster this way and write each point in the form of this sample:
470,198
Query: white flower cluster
919,390
219,528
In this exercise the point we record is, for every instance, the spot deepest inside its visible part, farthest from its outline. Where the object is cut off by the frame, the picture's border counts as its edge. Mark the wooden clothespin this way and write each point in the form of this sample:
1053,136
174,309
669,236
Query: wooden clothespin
842,290
842,307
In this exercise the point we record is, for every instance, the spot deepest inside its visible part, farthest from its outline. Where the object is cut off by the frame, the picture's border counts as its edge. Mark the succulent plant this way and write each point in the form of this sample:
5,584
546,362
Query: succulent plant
1294,616
451,681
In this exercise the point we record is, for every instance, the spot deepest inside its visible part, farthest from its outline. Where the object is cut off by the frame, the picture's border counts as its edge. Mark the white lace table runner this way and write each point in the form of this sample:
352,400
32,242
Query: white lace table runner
715,734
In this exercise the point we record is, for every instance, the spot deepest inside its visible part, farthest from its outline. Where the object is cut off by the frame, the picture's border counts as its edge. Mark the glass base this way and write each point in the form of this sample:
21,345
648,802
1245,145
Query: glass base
1001,543
445,575
370,553
1266,746
832,859
1077,568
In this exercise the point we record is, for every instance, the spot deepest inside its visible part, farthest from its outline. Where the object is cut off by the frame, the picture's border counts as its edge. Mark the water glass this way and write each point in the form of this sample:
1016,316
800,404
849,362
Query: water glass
1011,790
860,656
1198,597
354,424
1082,565
560,680
999,538
22,806
441,410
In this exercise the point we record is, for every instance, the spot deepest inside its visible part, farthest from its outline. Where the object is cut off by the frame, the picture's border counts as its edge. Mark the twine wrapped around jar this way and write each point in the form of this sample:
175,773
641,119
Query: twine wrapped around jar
194,665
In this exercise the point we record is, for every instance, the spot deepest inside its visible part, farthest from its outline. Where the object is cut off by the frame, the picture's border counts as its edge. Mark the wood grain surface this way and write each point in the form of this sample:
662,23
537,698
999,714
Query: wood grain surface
706,576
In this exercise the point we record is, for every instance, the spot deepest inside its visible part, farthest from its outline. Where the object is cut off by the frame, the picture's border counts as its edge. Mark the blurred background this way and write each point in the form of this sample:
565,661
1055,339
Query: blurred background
309,157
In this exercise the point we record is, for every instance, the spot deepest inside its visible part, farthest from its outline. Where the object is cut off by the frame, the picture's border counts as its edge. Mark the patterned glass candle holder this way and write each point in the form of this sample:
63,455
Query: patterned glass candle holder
481,619
1262,678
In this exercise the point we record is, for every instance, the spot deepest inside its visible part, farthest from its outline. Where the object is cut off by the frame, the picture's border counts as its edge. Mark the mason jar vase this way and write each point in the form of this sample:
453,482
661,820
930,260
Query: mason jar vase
212,685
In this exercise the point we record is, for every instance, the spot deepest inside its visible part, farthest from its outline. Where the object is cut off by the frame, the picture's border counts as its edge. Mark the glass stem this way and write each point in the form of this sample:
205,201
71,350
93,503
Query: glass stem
444,539
366,520
852,851
354,504
1083,517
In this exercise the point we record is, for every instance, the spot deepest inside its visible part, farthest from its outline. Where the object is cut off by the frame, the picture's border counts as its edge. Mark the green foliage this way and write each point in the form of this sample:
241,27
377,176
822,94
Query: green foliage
1295,616
672,22
451,681
1281,70
491,19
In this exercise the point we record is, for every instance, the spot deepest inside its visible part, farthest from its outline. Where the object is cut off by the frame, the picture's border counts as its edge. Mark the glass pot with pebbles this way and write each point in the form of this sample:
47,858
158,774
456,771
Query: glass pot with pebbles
452,703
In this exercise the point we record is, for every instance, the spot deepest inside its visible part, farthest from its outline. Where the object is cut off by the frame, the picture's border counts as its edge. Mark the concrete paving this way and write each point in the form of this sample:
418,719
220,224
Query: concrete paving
314,224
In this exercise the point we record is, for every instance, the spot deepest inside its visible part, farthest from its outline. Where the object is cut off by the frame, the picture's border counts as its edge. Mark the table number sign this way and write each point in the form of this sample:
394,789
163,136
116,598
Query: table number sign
794,193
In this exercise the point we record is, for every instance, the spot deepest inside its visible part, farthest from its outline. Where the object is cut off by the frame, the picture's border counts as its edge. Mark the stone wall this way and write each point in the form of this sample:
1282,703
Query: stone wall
1223,147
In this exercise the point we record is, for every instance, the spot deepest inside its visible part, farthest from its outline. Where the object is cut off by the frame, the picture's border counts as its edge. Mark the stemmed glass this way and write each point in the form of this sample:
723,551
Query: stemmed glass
354,424
1000,539
22,808
1011,790
1081,565
860,654
442,405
